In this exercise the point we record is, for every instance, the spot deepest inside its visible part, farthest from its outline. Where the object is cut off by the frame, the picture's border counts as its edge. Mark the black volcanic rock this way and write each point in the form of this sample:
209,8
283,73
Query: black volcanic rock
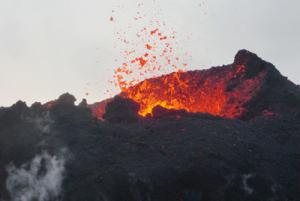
174,155
253,64
83,103
277,94
121,110
66,99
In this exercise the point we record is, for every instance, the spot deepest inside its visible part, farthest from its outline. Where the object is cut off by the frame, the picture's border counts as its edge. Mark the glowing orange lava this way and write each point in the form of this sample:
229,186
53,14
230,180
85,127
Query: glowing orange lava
197,91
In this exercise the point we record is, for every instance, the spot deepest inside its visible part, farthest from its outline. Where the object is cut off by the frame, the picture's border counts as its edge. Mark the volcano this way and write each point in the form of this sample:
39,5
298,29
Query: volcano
229,133
247,88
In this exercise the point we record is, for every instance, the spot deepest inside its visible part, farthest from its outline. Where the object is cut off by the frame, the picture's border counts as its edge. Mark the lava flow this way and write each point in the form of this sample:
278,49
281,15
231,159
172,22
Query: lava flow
198,91
178,91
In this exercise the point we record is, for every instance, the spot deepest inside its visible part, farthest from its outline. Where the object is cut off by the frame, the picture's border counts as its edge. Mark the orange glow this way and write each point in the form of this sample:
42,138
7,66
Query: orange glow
195,91
142,61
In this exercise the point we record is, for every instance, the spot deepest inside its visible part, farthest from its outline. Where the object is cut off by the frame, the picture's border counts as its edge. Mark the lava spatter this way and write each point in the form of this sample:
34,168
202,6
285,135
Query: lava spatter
152,57
148,50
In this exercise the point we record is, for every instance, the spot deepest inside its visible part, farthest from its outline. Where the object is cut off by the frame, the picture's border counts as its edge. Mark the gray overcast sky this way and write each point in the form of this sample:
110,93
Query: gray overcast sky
48,47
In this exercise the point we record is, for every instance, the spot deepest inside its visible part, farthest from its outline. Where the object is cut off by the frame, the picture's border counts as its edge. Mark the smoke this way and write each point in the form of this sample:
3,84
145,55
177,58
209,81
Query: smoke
40,179
246,187
42,122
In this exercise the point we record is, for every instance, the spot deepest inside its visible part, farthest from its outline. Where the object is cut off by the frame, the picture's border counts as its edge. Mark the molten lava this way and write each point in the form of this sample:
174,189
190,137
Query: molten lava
212,91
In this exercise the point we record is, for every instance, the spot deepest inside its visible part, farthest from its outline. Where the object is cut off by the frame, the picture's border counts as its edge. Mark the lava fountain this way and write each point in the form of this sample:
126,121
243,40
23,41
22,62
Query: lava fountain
153,74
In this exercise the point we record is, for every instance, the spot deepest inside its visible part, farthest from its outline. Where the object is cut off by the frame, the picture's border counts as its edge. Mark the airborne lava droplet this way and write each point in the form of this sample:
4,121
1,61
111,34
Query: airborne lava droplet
149,47
157,57
142,61
154,31
150,52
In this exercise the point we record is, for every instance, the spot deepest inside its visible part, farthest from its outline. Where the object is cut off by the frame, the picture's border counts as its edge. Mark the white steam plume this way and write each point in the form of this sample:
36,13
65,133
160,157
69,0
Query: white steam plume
39,180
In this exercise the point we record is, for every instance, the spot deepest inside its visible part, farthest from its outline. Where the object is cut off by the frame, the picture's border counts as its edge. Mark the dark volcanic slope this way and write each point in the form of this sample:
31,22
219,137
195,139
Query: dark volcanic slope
173,156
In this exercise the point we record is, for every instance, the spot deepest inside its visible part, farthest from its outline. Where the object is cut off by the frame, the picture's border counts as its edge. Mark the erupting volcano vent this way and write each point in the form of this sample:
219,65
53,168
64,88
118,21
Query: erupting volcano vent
244,89
220,91
247,88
